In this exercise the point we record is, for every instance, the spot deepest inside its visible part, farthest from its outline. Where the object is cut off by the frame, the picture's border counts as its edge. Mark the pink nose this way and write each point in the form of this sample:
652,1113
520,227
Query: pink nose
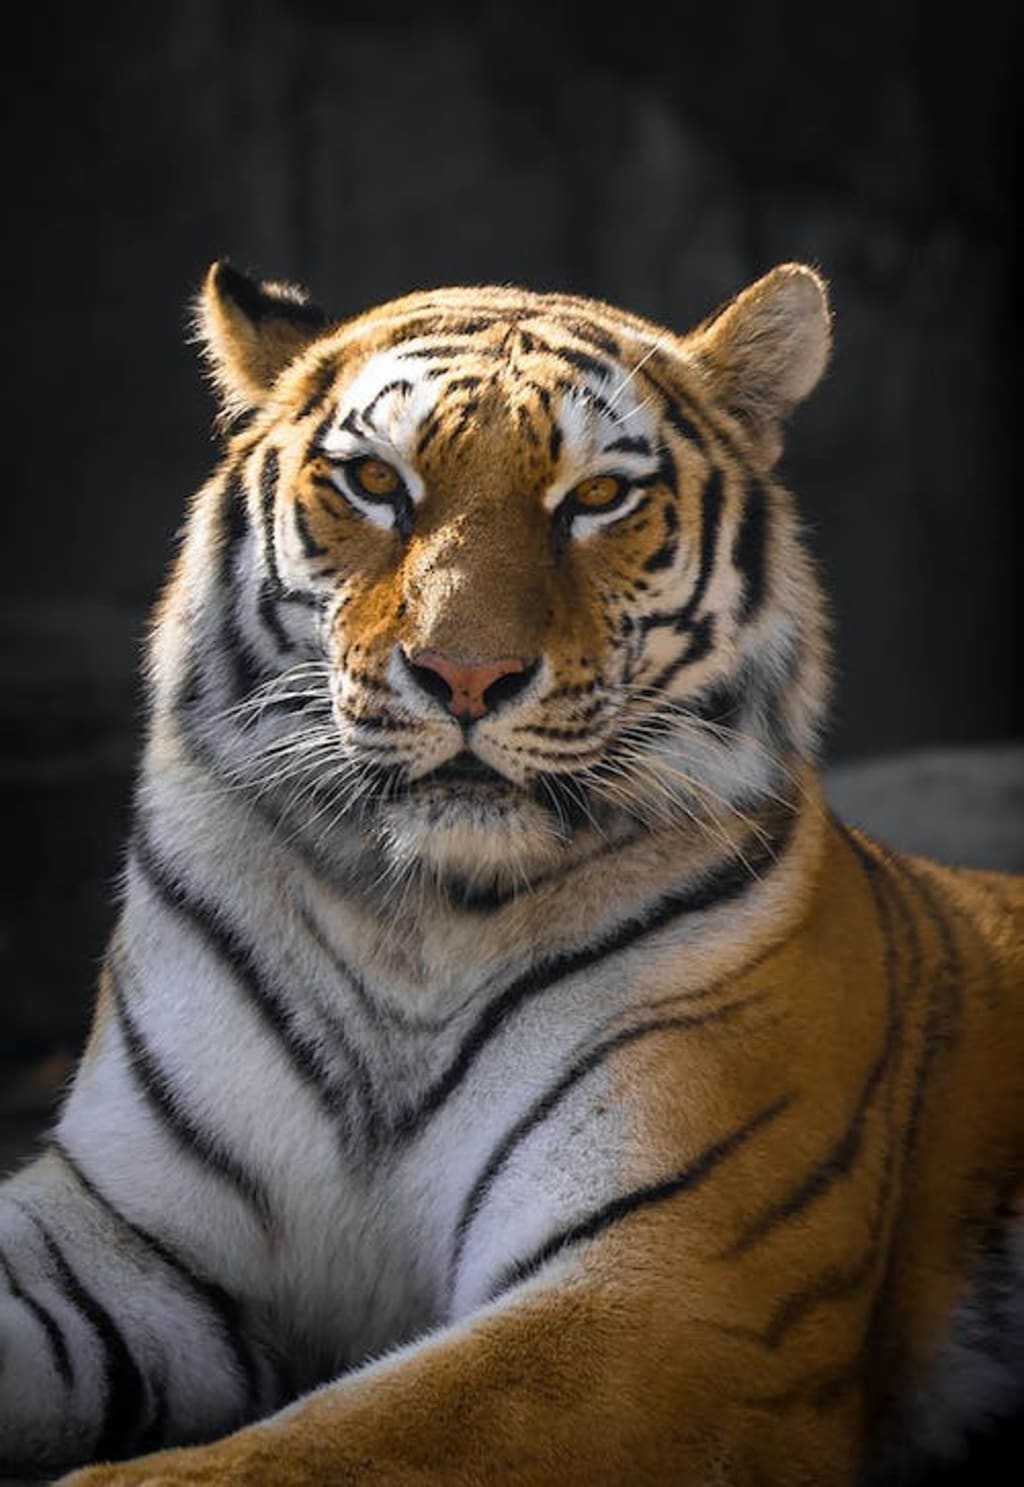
467,682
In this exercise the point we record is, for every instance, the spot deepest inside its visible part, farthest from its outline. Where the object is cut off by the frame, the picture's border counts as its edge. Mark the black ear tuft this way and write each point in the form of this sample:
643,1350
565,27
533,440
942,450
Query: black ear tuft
250,332
258,301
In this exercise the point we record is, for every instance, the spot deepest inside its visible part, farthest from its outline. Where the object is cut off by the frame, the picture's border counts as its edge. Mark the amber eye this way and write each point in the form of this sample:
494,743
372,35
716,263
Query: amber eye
376,478
599,492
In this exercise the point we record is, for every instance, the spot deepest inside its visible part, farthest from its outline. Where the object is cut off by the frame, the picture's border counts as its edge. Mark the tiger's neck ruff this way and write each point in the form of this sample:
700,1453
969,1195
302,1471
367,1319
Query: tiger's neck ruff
504,583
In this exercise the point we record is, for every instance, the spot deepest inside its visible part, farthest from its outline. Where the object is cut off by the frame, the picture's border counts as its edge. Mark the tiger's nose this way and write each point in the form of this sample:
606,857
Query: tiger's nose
469,689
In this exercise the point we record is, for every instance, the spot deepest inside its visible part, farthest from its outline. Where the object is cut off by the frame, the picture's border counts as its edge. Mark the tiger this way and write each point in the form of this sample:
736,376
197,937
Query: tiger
506,1067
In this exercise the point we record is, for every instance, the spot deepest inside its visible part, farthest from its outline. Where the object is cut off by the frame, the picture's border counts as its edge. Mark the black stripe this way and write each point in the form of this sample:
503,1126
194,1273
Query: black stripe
50,1325
526,426
839,1282
311,548
943,1011
239,958
700,637
573,323
569,800
453,384
822,1390
127,1407
326,483
270,474
846,1150
583,390
728,882
377,1012
450,350
468,325
542,1108
397,384
247,673
722,703
267,599
463,420
379,721
227,1319
155,1434
680,420
683,619
749,550
427,432
584,362
665,555
442,321
168,1106
700,643
559,735
320,384
711,516
234,525
690,1177
272,590
635,445
583,689
586,330
476,900
540,392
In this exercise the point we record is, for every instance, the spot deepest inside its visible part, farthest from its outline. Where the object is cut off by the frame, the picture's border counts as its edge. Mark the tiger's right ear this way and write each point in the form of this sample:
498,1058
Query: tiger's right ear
249,333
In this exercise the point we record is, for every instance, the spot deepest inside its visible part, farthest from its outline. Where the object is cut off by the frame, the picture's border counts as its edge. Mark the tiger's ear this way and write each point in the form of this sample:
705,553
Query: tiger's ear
249,333
766,350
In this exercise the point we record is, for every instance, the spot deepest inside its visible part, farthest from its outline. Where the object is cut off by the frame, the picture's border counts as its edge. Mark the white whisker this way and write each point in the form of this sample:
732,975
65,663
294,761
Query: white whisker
652,351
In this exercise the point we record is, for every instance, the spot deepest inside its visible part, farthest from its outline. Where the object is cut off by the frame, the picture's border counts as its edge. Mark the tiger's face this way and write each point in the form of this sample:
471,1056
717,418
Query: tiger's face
552,587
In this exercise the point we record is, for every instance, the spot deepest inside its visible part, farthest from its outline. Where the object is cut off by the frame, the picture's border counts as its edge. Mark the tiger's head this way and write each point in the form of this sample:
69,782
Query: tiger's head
490,573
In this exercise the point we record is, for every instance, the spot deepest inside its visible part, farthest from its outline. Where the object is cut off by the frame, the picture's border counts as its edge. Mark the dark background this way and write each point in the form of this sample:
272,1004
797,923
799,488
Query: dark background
660,156
367,150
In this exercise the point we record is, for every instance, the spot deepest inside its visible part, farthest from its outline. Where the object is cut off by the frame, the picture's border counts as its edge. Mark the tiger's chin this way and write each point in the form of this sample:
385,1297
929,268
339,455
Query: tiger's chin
481,840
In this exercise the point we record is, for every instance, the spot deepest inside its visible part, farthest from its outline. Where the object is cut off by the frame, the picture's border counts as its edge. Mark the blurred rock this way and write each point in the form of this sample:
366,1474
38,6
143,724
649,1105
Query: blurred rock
964,807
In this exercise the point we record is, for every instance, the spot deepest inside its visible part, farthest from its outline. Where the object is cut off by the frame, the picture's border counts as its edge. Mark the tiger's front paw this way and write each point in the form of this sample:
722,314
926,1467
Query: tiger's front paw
45,1405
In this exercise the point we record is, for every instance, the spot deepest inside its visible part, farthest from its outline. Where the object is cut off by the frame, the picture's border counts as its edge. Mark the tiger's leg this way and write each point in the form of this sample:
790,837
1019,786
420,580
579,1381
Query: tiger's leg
111,1341
582,1379
116,1334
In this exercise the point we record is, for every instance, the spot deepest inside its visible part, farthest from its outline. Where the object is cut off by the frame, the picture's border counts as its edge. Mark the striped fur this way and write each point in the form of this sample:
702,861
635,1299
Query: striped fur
504,1067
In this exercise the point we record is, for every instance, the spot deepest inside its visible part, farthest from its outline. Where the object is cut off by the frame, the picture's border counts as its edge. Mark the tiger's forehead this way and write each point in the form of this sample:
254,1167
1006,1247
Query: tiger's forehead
581,400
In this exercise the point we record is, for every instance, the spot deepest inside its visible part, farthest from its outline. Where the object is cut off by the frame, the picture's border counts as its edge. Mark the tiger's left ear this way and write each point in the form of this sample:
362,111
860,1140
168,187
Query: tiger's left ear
766,350
249,333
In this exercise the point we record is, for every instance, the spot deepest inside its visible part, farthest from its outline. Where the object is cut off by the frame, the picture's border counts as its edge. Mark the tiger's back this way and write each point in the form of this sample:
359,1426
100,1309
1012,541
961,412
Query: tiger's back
499,1031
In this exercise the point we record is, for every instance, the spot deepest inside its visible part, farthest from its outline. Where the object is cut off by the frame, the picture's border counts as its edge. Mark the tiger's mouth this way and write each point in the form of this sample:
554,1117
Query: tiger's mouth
466,821
467,781
469,770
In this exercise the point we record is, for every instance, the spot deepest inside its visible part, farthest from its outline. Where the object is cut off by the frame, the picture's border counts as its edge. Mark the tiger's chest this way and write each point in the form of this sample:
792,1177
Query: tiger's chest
477,1130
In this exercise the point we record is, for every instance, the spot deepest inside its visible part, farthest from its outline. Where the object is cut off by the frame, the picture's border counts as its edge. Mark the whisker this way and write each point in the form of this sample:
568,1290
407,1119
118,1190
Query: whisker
652,351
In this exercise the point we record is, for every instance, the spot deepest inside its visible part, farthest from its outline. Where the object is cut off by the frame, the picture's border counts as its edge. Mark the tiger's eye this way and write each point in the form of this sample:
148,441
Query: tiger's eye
377,477
598,491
